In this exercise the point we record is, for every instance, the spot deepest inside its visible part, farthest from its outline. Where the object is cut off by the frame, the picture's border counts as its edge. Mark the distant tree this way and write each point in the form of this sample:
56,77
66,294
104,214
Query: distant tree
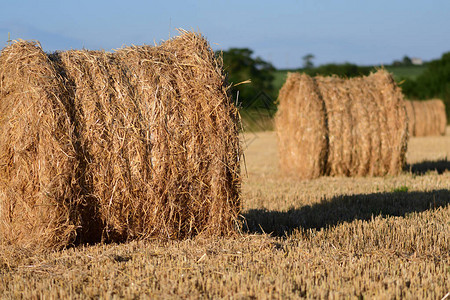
307,61
241,66
406,61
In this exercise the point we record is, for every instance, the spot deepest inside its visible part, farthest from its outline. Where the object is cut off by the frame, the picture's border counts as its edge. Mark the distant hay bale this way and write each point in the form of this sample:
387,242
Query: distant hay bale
332,126
155,141
427,118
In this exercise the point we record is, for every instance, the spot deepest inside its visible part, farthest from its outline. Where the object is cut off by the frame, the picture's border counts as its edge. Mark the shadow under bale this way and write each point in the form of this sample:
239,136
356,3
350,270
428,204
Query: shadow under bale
440,166
342,209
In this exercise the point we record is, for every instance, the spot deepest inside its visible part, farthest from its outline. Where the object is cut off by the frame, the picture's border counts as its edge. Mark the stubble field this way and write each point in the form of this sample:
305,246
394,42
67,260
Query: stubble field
383,237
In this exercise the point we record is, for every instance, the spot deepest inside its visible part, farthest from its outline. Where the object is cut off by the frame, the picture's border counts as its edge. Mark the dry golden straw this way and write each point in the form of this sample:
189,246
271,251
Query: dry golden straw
39,194
426,118
328,126
135,144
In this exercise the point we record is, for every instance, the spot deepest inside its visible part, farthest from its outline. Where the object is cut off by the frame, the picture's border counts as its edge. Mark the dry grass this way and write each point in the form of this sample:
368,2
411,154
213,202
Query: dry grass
332,237
141,143
334,126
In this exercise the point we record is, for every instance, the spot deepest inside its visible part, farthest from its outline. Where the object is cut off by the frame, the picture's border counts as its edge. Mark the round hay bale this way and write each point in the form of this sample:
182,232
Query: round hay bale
363,126
151,136
39,194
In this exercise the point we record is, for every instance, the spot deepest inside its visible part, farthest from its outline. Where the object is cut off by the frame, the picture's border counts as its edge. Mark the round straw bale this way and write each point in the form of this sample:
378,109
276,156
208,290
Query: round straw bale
363,126
39,195
140,143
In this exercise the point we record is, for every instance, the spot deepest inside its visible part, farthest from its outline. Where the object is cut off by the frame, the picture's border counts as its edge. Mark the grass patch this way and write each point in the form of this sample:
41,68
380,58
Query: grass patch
406,72
401,189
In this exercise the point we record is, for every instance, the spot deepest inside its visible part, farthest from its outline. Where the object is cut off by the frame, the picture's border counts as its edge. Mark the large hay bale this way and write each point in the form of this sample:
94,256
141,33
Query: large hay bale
428,117
333,126
157,140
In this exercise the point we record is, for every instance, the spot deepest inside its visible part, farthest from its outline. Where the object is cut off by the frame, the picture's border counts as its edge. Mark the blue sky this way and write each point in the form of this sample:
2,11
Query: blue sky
282,32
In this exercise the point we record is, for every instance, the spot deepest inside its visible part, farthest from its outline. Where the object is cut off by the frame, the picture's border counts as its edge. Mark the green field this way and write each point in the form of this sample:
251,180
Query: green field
409,72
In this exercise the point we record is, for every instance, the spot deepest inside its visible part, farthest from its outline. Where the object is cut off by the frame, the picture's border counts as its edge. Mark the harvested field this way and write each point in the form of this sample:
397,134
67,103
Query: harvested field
333,126
141,143
330,237
426,117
